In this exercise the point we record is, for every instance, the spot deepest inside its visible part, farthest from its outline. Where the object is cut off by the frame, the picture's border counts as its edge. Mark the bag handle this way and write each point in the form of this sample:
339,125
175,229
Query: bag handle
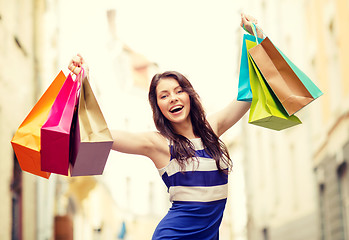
254,29
79,77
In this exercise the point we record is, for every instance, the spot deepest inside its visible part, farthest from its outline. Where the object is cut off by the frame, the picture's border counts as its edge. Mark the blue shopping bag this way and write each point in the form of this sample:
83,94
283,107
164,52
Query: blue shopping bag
244,87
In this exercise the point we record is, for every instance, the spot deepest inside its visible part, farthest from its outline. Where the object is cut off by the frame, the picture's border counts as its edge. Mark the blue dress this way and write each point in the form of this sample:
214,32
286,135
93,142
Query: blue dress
198,197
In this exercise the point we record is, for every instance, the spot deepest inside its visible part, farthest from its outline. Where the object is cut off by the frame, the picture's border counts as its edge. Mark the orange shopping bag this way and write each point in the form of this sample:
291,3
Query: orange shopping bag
26,141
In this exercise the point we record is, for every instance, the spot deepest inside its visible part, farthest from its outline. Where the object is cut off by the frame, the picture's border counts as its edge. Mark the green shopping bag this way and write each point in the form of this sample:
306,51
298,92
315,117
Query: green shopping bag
266,110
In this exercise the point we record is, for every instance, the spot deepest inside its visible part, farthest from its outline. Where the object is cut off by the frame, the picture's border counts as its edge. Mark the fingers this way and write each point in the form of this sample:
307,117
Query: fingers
247,19
74,69
82,60
251,19
77,60
75,64
246,23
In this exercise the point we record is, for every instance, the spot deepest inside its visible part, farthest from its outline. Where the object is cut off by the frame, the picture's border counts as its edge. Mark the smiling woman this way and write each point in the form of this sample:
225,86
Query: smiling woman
179,117
173,102
191,159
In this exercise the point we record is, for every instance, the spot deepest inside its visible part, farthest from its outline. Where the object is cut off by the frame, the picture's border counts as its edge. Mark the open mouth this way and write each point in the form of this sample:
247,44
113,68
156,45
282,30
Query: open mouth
176,109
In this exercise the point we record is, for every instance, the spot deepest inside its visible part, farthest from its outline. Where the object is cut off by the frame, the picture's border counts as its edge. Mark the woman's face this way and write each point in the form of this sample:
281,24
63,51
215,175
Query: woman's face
173,102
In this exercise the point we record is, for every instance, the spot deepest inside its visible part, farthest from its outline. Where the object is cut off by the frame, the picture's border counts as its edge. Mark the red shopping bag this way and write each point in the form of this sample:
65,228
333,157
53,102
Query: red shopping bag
55,133
26,141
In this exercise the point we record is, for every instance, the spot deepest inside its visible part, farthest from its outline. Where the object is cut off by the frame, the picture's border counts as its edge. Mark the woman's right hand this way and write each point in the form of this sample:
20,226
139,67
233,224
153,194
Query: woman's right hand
246,23
76,63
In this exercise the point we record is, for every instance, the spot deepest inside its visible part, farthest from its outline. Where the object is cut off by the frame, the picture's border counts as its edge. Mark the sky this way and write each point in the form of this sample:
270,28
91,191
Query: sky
197,38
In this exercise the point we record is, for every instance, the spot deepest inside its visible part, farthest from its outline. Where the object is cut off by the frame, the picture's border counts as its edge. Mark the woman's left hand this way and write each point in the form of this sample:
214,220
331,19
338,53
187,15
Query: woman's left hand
76,63
246,21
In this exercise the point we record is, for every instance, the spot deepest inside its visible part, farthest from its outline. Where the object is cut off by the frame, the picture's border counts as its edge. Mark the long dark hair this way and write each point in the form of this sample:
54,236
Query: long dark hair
183,149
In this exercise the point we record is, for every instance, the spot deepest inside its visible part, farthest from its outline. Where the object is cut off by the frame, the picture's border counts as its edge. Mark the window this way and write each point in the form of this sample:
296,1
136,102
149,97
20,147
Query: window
16,190
265,234
342,173
322,211
332,52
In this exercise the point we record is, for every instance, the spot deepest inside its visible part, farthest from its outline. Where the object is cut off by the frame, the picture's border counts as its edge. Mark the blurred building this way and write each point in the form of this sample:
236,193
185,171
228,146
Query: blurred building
60,207
20,87
133,180
297,180
330,133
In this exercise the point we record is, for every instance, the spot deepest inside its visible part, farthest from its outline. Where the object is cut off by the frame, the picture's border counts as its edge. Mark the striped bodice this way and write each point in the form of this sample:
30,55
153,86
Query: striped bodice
201,180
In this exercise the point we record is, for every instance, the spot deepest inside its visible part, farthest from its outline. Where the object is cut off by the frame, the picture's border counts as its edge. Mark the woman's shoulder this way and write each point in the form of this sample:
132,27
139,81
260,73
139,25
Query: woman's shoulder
212,121
158,139
159,152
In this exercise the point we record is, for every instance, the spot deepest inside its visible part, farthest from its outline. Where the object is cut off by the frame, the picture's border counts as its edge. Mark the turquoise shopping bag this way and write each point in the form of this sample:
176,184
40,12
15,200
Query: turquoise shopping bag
244,86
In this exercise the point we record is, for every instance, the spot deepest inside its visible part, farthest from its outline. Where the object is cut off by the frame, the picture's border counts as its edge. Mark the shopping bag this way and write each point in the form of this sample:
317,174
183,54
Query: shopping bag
55,133
26,141
244,87
289,84
266,110
310,86
91,140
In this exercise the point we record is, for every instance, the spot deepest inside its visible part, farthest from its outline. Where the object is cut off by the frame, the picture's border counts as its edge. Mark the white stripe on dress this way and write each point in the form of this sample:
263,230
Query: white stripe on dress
194,193
198,194
206,164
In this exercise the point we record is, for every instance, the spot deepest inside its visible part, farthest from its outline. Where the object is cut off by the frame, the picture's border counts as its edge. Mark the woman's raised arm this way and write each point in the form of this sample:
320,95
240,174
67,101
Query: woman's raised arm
149,144
227,117
144,143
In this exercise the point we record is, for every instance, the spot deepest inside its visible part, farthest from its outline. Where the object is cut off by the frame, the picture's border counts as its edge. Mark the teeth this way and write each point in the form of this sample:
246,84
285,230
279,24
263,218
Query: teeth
176,109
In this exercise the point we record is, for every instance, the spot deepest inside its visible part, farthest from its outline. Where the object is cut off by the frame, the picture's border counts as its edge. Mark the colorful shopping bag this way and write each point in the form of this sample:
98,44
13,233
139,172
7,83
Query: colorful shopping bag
244,87
310,86
289,84
91,140
26,141
55,133
266,110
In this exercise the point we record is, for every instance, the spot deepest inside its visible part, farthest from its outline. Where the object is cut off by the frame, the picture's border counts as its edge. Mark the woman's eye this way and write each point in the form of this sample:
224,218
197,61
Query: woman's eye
179,91
163,96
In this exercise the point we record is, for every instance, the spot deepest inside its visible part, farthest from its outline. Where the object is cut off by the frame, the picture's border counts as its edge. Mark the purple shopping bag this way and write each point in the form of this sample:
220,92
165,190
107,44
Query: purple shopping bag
55,133
91,140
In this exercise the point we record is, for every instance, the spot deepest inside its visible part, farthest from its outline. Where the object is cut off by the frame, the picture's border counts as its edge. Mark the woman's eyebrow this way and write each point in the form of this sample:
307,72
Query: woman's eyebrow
166,91
163,91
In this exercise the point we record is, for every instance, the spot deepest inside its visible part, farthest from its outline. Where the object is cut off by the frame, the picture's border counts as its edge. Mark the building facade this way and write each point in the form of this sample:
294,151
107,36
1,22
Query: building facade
297,179
331,134
60,207
19,81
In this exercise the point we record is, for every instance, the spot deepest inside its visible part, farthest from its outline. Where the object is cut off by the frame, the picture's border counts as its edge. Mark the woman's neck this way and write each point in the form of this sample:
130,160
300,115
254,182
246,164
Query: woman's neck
185,129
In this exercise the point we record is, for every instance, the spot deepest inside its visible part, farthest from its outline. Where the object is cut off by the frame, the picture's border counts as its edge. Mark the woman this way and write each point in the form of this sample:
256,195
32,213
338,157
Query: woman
191,159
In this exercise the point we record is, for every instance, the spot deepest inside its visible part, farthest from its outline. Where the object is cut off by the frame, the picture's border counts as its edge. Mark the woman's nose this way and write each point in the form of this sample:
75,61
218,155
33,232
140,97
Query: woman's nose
173,98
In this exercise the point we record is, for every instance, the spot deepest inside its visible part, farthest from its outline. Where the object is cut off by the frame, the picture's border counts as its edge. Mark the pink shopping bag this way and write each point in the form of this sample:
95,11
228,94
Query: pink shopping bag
55,133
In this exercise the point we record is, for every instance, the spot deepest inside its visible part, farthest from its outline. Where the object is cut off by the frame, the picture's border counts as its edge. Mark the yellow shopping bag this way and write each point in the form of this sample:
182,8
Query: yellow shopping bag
266,110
